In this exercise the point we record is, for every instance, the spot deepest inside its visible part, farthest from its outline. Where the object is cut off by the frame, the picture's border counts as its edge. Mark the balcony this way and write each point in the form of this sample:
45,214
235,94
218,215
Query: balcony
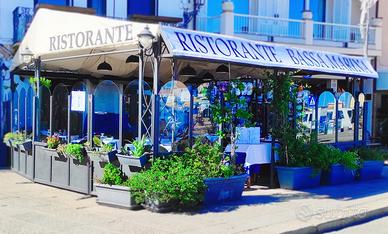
303,32
22,17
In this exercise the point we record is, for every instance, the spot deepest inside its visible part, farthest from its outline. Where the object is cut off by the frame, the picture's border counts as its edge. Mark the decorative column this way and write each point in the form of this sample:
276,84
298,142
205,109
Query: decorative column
227,18
377,25
308,27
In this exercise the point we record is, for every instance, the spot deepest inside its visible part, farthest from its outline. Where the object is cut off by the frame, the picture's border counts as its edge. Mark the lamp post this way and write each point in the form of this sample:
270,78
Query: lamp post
146,42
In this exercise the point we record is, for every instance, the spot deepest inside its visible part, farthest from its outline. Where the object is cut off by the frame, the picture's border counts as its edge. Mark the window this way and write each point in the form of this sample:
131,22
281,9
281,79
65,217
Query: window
144,7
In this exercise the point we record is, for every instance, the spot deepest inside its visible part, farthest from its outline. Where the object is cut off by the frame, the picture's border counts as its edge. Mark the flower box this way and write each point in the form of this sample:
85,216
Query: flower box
338,174
130,164
115,195
371,170
224,189
98,160
298,177
26,146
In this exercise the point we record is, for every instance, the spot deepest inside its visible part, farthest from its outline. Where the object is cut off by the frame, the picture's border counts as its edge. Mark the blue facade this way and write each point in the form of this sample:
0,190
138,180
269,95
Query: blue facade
143,7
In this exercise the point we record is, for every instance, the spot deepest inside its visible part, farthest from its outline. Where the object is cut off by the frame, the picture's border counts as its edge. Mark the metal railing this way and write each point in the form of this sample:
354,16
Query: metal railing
268,26
209,24
22,17
341,33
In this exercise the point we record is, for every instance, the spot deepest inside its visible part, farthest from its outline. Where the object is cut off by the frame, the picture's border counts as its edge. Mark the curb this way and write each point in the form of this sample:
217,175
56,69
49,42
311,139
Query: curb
341,223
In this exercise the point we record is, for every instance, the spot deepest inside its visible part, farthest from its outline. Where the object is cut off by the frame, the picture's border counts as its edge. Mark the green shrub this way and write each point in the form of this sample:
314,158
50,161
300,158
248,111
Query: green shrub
371,154
112,175
75,150
169,181
8,136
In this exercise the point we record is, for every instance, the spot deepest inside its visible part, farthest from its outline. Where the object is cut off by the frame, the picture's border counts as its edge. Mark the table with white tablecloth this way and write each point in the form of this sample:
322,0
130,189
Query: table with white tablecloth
255,153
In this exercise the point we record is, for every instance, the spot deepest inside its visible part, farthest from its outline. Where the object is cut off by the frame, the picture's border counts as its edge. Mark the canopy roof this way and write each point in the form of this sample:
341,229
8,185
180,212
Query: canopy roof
74,42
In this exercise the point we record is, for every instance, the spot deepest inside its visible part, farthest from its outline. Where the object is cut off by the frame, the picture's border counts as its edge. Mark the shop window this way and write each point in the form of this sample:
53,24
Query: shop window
78,113
60,111
306,111
346,116
326,117
15,112
43,114
106,111
30,98
361,100
130,111
22,110
174,116
203,125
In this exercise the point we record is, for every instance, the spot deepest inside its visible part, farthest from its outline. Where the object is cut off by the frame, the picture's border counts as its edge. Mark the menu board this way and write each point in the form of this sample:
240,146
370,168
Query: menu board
78,100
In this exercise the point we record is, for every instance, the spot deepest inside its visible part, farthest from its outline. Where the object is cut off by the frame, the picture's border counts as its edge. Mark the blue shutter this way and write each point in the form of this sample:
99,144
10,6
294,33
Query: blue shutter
143,7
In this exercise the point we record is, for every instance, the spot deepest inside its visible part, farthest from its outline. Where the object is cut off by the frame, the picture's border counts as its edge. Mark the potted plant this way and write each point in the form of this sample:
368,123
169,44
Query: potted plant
342,166
202,175
100,155
8,137
371,163
113,189
136,158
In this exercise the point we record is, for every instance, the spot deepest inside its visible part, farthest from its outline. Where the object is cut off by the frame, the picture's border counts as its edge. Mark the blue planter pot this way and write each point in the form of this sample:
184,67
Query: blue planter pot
338,174
298,177
371,170
224,189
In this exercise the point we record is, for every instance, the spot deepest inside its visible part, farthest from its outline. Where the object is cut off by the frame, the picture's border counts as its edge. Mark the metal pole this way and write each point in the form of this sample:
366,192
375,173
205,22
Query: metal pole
68,118
121,117
140,94
51,114
336,120
155,101
272,166
191,122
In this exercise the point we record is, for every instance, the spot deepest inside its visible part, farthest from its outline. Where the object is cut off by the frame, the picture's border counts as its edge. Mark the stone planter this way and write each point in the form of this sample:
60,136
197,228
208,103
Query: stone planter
26,147
338,174
98,160
115,195
155,205
15,159
130,164
224,189
58,170
371,170
298,177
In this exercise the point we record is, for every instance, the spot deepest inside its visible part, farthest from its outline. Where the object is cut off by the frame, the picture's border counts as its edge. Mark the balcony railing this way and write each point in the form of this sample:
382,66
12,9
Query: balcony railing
22,17
282,29
342,33
268,26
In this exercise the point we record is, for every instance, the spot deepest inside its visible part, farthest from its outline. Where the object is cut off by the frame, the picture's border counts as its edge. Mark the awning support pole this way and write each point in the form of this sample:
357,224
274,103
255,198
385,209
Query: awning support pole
35,127
155,99
140,94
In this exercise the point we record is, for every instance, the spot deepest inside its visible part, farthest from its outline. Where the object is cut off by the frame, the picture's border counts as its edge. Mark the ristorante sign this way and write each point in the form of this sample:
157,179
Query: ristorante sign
95,38
185,43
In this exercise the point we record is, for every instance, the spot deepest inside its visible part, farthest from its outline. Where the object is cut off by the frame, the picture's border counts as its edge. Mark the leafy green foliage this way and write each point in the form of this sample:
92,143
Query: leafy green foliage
139,146
371,154
104,147
180,178
112,175
15,137
75,150
53,141
43,81
167,181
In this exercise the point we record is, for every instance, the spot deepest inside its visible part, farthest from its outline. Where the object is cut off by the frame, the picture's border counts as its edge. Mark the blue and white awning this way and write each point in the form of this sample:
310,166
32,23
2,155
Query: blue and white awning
216,47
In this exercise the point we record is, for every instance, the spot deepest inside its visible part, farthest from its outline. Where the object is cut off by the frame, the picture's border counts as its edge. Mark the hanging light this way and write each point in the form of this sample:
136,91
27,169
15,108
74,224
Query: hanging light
132,59
104,66
187,71
222,69
146,38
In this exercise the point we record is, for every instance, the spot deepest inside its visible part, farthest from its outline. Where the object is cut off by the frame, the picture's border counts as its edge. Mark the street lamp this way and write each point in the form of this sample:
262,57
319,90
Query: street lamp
146,38
27,55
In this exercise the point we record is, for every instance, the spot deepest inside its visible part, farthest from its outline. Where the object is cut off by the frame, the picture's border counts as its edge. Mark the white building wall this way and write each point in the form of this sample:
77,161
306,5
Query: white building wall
6,18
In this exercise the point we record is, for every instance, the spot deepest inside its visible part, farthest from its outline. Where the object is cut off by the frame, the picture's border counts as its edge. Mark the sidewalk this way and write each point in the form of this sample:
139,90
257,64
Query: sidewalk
26,207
